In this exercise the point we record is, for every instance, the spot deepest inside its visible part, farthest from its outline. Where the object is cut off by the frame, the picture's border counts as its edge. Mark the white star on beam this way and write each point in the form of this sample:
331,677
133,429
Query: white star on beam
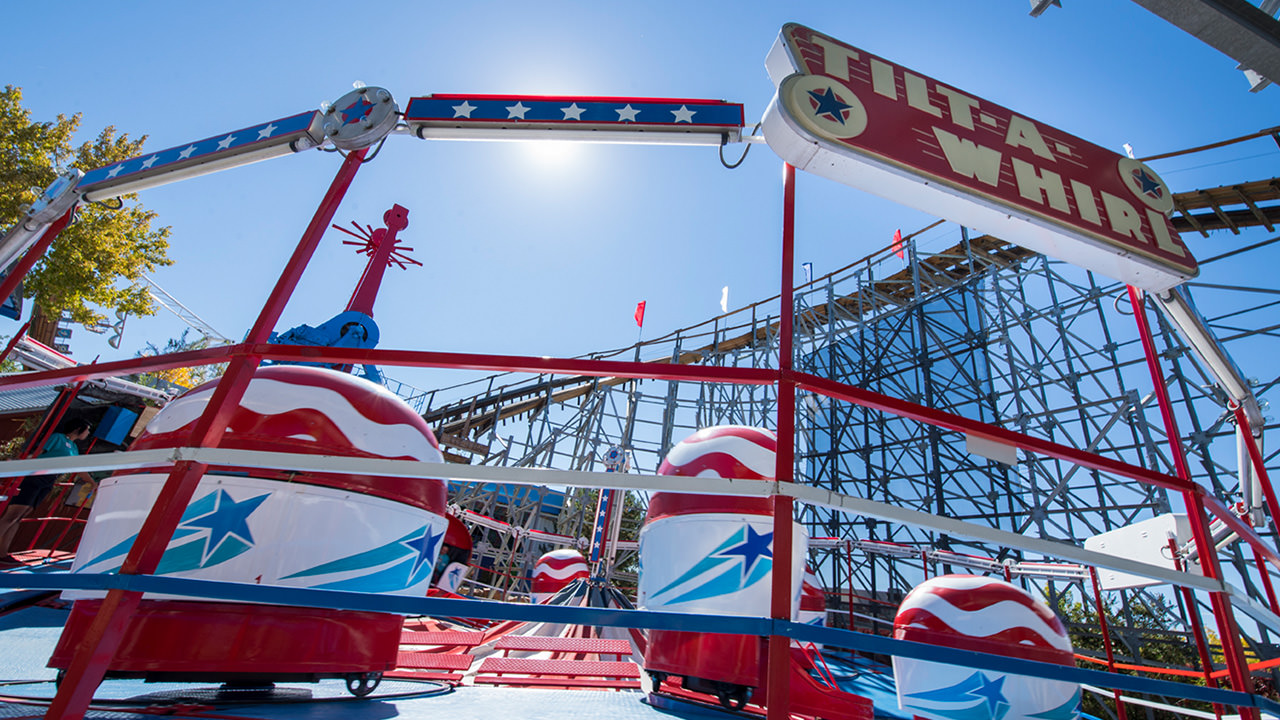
516,111
463,110
684,114
225,142
628,114
266,131
149,162
573,112
115,170
186,152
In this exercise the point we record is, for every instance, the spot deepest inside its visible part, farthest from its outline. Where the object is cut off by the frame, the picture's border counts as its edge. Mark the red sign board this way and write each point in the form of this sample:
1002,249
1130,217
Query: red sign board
857,118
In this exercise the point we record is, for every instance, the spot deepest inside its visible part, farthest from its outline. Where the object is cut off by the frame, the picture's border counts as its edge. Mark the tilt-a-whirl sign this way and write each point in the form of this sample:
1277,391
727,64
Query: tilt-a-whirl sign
864,121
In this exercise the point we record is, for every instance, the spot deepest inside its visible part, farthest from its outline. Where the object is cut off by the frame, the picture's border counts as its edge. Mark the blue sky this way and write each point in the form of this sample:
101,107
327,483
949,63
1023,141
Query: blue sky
545,250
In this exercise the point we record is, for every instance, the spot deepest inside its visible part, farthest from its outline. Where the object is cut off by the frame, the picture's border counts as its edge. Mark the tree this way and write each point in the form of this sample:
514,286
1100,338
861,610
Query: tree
106,244
1140,635
183,378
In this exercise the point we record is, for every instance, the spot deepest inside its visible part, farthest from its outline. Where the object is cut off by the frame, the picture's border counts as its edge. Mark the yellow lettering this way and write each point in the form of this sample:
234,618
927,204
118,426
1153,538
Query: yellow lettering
1038,186
835,57
1160,228
962,106
1124,219
882,79
1085,204
969,159
918,94
1023,133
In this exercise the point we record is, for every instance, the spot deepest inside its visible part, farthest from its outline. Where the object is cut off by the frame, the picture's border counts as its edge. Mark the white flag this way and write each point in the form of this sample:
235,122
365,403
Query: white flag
724,299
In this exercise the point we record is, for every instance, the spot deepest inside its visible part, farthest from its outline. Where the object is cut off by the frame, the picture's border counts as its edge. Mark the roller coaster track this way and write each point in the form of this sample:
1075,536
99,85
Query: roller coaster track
1229,207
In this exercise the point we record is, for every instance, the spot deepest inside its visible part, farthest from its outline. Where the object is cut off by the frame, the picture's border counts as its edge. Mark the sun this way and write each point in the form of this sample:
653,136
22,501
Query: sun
551,155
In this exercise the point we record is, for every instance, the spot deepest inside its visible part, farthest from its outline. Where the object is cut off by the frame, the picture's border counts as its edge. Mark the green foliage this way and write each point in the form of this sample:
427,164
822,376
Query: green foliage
87,264
577,519
179,378
1140,635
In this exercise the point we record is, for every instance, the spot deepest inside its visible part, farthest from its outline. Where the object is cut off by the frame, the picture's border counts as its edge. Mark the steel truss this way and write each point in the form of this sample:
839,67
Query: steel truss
981,329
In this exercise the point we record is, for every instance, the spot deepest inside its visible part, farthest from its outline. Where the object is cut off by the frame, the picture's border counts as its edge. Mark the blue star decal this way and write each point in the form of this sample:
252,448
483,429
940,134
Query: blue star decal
228,517
357,110
756,546
992,691
829,104
425,546
1148,183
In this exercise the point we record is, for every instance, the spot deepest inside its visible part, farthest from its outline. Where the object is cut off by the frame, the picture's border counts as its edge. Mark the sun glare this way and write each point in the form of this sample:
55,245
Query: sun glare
552,154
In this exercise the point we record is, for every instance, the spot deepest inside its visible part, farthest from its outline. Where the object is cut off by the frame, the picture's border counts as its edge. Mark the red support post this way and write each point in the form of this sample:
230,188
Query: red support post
1197,628
1259,465
13,341
1223,614
779,668
848,559
34,253
384,244
1106,638
1265,574
95,650
35,443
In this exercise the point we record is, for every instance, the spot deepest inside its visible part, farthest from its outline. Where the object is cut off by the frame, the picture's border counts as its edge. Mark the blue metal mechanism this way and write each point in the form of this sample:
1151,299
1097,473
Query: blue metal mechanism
354,327
349,329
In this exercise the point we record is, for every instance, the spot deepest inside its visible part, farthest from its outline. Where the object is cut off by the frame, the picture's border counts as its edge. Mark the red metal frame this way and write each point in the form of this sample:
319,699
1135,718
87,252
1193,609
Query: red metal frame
1197,628
1194,499
1259,466
383,244
779,662
13,341
1106,639
939,418
34,253
404,358
93,653
96,648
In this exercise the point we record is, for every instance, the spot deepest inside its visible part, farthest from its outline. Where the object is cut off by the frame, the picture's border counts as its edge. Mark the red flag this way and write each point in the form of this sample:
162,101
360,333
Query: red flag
897,243
640,314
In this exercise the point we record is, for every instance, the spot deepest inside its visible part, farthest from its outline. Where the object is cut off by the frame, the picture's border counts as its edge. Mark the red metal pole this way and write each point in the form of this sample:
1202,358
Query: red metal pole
848,559
34,253
1266,581
13,342
366,292
1223,614
1259,465
1197,628
94,651
780,607
1106,638
36,442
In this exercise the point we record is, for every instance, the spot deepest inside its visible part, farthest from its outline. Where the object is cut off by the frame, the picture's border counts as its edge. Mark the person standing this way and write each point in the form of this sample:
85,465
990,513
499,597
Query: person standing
35,488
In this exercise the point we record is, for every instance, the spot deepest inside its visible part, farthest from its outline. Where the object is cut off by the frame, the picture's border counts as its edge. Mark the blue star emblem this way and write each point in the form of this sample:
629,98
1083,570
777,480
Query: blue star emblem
754,547
228,518
425,545
992,691
828,104
357,110
1149,184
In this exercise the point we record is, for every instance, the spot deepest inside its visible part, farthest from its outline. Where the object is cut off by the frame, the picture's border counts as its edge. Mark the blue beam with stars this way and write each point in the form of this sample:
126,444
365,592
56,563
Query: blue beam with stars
239,147
594,119
614,617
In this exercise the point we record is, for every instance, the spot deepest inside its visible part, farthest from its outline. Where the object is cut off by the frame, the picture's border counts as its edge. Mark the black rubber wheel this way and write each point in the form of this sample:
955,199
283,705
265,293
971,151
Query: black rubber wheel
733,697
364,683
